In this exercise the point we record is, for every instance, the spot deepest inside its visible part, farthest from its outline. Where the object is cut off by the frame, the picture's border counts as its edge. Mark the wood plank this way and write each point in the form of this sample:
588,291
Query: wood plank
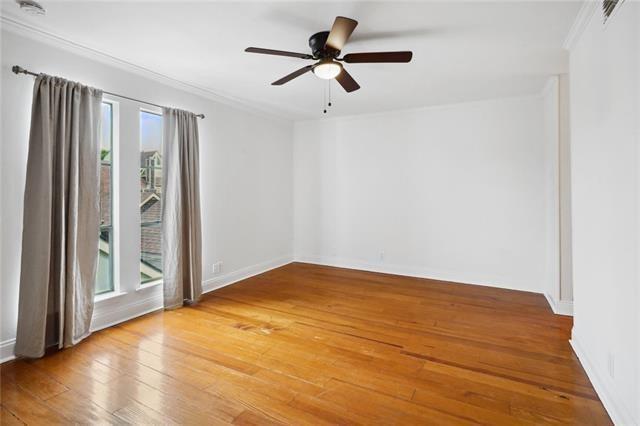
249,418
7,418
27,408
32,380
81,410
138,414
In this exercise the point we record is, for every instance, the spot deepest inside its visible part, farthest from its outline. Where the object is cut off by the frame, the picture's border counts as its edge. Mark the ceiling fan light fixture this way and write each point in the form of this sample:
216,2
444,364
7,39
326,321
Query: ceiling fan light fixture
327,70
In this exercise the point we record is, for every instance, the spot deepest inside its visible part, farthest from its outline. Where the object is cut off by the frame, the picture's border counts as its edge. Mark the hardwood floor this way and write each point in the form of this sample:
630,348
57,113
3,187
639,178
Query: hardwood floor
306,344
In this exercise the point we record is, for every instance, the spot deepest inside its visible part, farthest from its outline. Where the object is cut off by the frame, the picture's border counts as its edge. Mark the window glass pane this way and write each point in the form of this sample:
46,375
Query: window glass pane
105,193
150,197
104,283
105,135
104,278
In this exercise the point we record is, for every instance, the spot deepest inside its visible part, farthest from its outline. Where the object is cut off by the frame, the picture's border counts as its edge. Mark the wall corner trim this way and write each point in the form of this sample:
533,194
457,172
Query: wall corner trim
586,12
619,414
560,307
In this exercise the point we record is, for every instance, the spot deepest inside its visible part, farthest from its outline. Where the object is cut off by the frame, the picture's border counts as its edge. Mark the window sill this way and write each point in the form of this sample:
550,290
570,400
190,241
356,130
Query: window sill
107,296
149,285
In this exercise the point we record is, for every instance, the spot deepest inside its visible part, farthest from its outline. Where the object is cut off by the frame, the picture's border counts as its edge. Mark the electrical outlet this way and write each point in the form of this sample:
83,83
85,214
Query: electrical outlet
217,267
611,364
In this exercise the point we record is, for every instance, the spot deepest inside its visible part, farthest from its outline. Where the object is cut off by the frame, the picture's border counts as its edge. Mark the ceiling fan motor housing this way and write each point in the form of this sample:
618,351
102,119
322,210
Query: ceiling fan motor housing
317,45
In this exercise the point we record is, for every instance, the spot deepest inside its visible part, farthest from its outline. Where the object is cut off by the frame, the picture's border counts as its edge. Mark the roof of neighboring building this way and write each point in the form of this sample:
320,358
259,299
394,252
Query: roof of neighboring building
150,212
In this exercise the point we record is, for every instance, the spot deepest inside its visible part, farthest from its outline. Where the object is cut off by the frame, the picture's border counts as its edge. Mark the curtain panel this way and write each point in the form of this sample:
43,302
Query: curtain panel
61,217
181,223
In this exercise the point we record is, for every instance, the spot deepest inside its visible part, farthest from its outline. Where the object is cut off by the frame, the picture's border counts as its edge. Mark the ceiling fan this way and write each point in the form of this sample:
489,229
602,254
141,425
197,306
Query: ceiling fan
325,48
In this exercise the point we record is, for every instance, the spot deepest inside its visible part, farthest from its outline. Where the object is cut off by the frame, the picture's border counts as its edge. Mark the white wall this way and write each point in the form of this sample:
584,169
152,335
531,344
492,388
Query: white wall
246,179
605,146
457,192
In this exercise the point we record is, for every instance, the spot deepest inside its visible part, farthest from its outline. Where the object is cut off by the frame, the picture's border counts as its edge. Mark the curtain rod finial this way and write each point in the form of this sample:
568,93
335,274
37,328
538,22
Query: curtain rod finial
18,69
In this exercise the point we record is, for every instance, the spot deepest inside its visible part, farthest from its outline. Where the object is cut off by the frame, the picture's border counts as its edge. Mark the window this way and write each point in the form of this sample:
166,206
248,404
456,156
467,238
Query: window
150,197
127,261
104,279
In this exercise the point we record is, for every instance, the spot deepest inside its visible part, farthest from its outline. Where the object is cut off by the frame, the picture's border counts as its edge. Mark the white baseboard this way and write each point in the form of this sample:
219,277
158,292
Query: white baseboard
417,272
116,315
604,387
6,350
561,307
244,273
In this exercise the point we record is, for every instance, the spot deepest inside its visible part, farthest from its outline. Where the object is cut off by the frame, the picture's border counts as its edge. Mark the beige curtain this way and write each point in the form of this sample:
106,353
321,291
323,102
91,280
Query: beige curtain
61,217
181,228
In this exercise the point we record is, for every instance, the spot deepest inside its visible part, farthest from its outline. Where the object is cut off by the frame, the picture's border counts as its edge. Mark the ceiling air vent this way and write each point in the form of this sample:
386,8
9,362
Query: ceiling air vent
608,6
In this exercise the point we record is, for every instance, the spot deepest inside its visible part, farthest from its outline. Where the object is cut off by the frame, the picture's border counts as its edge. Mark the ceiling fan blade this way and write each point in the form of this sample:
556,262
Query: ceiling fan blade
340,32
293,75
354,58
346,81
278,52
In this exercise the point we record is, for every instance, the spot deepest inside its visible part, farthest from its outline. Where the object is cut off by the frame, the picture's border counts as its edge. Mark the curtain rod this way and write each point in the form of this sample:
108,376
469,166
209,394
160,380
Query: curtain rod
19,70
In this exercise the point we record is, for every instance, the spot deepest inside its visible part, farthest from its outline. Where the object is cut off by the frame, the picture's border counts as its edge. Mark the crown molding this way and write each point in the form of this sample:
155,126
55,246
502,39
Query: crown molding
584,16
15,26
401,111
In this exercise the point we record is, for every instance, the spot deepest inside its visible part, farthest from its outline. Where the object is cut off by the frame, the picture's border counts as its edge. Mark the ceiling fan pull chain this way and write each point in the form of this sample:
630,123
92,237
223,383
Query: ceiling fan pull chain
329,84
324,99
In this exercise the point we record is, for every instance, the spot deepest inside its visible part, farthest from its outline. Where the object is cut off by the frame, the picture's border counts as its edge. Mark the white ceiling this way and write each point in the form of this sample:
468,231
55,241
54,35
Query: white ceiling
462,50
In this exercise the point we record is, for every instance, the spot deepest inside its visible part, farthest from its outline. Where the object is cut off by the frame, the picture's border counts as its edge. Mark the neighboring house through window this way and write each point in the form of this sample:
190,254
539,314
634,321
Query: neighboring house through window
150,197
